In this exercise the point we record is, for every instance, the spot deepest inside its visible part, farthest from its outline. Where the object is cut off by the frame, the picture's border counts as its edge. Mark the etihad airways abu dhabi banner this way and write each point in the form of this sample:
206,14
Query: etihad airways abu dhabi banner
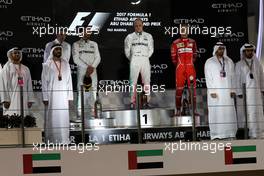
31,24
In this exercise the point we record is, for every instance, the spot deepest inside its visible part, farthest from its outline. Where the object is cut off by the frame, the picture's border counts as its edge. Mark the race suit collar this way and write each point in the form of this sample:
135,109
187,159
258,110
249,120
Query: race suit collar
185,39
87,41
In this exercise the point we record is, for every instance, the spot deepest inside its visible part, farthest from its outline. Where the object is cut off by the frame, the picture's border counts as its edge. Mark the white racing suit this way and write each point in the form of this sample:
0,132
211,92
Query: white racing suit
138,49
84,54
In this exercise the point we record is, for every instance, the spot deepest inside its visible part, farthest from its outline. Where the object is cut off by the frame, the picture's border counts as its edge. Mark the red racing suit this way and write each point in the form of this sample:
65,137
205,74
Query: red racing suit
183,54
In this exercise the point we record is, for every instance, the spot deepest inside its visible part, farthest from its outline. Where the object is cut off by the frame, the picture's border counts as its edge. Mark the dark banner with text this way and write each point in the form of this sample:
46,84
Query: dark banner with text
30,25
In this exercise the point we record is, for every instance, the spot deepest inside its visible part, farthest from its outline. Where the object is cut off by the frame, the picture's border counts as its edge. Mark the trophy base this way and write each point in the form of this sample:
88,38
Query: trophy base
184,121
92,123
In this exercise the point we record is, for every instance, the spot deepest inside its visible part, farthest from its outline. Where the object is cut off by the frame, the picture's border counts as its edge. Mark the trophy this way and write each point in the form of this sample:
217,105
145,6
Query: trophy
87,83
185,104
98,107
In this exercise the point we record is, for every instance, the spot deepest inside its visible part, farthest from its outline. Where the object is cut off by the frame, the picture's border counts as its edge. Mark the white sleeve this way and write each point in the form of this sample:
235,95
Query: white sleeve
69,84
45,82
151,46
261,77
233,78
209,77
75,55
97,56
30,93
1,85
46,52
5,80
128,47
68,53
238,76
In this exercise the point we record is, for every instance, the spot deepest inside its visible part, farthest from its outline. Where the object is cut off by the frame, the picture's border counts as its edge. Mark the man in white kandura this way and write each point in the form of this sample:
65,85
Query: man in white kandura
57,94
219,74
139,47
86,56
60,39
13,76
249,71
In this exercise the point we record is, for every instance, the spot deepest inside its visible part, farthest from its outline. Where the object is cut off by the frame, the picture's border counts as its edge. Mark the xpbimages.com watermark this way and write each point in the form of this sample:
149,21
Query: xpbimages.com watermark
51,30
211,147
213,31
57,146
115,88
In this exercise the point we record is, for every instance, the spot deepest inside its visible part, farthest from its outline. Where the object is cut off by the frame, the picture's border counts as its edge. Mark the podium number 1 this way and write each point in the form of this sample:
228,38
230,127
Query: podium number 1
146,118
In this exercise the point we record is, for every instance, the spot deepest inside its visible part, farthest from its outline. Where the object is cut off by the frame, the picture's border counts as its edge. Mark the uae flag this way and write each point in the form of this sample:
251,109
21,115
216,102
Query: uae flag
41,163
240,155
145,159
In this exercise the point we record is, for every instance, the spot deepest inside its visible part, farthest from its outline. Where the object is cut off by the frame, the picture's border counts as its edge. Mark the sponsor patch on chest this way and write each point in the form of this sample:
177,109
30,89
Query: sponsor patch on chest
180,45
190,45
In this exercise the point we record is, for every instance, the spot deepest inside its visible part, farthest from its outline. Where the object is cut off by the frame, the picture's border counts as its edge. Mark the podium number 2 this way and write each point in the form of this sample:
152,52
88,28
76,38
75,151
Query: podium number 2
146,118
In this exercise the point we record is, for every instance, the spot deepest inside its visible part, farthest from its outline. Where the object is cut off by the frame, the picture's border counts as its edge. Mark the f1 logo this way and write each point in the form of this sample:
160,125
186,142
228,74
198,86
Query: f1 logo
78,20
96,22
